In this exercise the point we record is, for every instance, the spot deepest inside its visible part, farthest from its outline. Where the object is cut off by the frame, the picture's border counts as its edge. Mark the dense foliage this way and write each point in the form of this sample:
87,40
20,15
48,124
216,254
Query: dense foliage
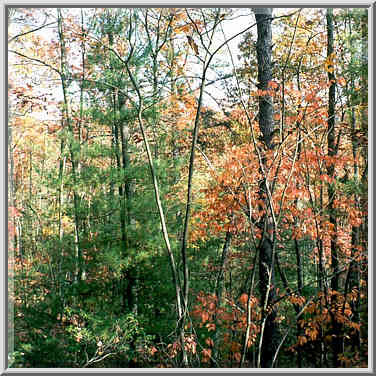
188,187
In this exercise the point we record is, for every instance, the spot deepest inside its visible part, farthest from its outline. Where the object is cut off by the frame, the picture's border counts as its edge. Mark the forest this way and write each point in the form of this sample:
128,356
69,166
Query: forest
187,187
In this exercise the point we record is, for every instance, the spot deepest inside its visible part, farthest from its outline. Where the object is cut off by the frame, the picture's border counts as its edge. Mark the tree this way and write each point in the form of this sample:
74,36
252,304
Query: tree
269,330
173,204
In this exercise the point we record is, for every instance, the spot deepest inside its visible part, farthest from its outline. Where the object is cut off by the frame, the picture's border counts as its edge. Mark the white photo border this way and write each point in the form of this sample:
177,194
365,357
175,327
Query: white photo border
5,284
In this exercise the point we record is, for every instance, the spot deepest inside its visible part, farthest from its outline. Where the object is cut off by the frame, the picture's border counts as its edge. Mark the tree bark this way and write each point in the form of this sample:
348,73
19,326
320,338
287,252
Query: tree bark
269,337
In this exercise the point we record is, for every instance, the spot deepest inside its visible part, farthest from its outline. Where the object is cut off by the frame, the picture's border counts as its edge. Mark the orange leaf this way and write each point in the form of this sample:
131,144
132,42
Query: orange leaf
243,299
273,84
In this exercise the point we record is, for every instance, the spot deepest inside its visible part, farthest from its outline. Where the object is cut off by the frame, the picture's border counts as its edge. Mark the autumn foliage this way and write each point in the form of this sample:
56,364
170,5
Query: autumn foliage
142,189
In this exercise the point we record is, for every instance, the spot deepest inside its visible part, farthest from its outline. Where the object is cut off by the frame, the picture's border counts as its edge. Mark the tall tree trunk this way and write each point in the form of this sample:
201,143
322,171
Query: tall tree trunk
73,145
117,133
332,151
352,277
60,200
332,148
130,276
269,338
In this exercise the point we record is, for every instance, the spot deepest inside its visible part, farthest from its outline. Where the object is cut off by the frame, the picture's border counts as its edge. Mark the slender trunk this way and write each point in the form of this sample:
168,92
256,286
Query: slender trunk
155,113
249,312
352,277
118,153
269,337
175,274
189,190
176,280
78,273
332,151
129,275
174,135
218,293
299,271
60,215
30,177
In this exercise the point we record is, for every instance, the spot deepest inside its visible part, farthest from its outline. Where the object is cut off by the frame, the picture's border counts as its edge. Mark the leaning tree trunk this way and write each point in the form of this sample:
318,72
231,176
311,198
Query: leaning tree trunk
269,337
